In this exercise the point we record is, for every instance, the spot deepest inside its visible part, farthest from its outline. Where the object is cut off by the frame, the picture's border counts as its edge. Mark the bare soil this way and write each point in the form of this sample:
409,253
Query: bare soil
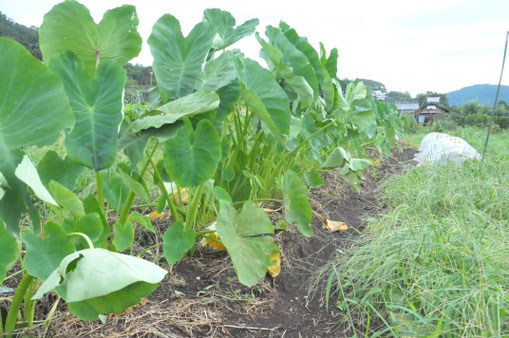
201,296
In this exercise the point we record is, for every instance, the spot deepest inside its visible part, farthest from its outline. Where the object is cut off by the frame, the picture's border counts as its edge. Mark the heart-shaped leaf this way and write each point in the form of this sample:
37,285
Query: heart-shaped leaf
101,282
97,105
297,207
246,237
33,95
177,241
178,60
191,157
69,27
224,24
264,96
8,251
123,237
44,253
314,179
65,171
192,104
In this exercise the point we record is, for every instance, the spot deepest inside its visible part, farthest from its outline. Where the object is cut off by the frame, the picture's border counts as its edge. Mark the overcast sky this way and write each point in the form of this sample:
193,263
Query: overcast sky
438,45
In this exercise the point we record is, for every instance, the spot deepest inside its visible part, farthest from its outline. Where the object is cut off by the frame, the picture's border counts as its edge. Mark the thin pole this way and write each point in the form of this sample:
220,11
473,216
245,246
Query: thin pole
496,99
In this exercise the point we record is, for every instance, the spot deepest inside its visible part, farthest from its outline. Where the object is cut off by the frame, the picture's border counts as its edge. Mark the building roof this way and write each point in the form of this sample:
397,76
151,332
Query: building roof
407,106
431,108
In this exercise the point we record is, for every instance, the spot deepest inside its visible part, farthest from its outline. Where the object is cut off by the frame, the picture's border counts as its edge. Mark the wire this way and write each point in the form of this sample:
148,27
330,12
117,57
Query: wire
496,99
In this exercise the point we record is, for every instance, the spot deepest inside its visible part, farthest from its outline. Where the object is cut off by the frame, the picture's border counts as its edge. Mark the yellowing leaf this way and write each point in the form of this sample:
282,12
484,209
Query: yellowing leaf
155,214
333,226
215,243
275,268
184,194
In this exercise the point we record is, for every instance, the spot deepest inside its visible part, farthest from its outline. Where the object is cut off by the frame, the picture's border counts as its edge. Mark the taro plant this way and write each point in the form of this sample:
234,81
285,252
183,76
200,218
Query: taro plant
77,91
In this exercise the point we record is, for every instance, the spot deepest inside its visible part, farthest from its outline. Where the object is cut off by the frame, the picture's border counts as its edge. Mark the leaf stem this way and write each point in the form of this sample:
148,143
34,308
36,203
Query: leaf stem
193,207
130,198
80,234
157,176
100,191
10,321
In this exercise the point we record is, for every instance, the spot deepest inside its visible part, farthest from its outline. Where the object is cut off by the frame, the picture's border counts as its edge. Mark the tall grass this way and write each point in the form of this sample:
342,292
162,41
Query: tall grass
437,262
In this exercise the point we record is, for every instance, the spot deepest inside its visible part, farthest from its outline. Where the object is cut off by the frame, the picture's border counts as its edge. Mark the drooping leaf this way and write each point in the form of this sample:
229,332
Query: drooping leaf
8,251
44,254
264,96
358,164
297,207
247,238
195,103
70,27
336,158
65,171
177,241
229,95
33,111
134,145
192,156
115,302
314,179
97,105
27,173
224,24
177,59
102,282
123,235
66,199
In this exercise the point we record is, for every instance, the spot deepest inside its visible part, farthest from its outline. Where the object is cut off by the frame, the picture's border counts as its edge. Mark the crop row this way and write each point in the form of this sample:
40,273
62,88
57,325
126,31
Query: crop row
232,133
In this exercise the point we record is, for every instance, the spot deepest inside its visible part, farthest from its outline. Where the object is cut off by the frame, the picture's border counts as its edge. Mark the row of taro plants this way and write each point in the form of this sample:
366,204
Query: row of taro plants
231,133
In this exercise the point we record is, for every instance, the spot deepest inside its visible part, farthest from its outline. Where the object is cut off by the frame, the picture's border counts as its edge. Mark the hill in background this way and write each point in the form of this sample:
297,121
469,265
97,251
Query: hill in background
484,93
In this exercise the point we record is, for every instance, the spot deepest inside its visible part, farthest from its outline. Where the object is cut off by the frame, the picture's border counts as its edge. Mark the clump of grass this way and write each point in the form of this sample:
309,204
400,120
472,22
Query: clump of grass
437,262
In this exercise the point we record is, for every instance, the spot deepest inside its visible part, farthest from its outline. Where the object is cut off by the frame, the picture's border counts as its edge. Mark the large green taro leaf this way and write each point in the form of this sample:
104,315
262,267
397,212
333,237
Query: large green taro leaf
44,253
247,238
191,157
295,58
264,96
98,281
33,111
192,104
278,64
178,60
302,44
8,251
218,72
224,24
97,105
297,207
69,27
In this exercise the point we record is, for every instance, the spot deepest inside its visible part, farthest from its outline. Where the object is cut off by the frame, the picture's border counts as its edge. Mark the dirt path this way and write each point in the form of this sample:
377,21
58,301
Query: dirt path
201,296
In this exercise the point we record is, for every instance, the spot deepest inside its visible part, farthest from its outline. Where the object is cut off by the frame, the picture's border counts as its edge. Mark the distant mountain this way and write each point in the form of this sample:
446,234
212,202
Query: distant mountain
484,93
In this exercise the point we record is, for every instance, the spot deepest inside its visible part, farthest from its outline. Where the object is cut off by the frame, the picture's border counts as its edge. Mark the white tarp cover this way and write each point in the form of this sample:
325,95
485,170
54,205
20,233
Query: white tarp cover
442,148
